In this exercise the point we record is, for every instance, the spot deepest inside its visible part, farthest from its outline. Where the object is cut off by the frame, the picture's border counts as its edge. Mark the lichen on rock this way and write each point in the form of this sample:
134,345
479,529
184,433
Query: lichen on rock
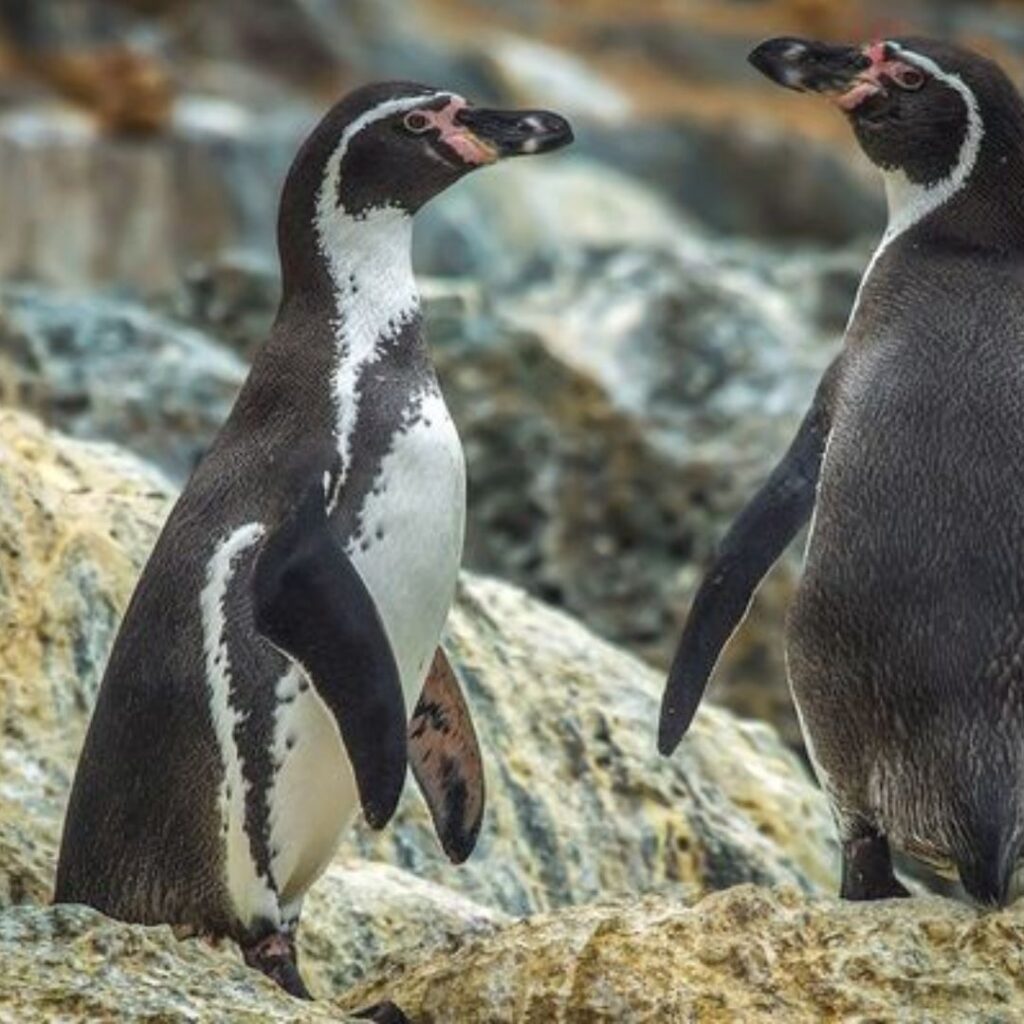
759,956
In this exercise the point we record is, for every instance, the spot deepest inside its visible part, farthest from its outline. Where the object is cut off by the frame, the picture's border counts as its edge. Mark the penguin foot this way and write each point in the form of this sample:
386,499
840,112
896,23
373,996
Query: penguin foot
867,870
274,956
382,1013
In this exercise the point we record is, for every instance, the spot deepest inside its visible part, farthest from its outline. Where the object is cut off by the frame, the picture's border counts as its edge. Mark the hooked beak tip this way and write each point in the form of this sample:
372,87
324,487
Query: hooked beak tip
779,60
514,133
808,66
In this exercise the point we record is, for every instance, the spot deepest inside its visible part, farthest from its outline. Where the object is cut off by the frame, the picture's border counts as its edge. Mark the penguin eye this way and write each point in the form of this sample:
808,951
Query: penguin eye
909,78
416,121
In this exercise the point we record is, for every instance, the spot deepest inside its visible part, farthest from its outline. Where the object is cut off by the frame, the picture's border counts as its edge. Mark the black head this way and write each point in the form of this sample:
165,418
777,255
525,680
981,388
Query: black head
932,111
394,146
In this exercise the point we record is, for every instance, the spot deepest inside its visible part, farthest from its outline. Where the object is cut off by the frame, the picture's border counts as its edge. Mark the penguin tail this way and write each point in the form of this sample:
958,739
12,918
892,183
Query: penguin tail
987,869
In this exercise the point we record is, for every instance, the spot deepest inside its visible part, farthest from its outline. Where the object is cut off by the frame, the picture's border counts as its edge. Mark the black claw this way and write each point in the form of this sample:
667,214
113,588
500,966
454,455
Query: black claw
274,956
383,1013
867,870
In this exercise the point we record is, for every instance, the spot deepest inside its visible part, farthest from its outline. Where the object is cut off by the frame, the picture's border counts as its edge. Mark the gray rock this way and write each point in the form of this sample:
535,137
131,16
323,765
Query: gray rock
98,368
136,213
579,802
71,964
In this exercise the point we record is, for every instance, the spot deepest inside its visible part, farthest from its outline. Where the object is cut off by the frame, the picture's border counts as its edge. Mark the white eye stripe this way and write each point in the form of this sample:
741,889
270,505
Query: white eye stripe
401,105
909,202
931,197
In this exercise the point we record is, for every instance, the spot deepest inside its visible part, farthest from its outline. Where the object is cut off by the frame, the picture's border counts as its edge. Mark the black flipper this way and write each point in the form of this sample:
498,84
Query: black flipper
445,758
311,603
754,542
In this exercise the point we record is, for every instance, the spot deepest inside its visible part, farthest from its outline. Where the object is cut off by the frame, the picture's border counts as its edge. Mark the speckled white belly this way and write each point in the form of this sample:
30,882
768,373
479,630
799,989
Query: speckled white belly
413,531
412,539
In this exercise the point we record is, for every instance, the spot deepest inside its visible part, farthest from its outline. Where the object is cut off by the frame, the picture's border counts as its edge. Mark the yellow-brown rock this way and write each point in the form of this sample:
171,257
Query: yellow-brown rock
77,521
580,804
738,957
72,965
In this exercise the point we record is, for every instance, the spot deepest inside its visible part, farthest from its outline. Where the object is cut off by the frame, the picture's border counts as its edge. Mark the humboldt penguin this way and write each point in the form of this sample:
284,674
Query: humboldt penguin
905,640
291,612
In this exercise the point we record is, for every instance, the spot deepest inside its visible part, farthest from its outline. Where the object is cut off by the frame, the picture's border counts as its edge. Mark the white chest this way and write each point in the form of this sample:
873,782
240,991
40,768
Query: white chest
408,554
410,545
407,550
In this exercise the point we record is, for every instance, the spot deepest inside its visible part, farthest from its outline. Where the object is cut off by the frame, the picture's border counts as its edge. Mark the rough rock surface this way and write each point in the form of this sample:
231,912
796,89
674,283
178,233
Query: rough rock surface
136,213
98,368
362,914
77,521
750,955
579,803
71,964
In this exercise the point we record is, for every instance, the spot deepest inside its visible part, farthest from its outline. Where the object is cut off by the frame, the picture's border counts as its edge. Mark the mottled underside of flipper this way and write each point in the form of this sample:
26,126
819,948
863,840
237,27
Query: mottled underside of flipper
312,604
445,758
754,542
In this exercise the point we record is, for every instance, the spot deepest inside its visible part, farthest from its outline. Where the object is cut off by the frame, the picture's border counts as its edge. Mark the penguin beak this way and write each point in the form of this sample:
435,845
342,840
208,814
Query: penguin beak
505,133
849,74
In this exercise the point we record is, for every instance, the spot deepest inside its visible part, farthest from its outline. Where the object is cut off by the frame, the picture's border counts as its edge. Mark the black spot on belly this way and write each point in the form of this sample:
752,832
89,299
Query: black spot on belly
390,392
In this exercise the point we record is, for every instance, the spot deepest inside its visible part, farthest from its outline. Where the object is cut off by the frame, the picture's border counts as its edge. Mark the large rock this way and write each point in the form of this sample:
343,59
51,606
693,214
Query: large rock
361,914
77,521
135,214
748,955
579,803
96,368
71,964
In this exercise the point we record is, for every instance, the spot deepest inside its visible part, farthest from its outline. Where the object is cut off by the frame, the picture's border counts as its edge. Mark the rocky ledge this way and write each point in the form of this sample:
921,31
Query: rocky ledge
746,955
580,810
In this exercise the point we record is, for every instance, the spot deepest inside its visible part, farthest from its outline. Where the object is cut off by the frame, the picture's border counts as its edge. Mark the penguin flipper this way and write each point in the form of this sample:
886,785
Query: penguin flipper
751,547
311,603
445,759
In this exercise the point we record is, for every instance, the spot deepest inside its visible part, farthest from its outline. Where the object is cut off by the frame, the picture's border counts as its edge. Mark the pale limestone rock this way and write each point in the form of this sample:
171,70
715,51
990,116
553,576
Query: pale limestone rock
77,521
70,964
362,913
750,955
580,804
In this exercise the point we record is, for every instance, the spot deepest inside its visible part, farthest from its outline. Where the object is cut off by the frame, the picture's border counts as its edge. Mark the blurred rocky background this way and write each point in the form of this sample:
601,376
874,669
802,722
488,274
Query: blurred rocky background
628,333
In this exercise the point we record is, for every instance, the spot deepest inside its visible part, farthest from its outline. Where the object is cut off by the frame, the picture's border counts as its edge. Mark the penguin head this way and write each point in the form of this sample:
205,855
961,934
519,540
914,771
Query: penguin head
397,144
385,150
921,110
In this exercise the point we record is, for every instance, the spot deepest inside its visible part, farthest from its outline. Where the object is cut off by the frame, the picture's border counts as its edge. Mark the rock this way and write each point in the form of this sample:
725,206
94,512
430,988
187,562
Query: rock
748,955
580,805
362,914
71,964
616,419
511,226
233,297
535,74
747,175
136,213
77,522
103,369
579,802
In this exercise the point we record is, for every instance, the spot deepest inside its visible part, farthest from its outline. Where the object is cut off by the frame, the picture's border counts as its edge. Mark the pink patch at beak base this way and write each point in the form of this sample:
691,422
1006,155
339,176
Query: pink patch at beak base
471,148
871,81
